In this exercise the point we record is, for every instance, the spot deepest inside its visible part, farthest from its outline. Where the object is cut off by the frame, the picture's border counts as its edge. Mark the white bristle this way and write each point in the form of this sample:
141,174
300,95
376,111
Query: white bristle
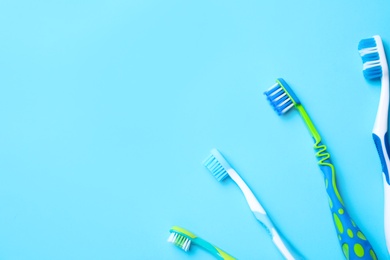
284,102
287,108
276,92
272,86
279,97
170,238
186,244
366,51
371,64
179,240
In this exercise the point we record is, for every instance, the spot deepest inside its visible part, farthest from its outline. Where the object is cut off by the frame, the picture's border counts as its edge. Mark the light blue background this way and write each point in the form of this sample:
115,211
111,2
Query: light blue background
108,108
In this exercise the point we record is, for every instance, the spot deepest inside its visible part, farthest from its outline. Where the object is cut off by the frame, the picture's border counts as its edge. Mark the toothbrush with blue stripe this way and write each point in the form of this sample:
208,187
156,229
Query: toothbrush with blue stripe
352,241
220,168
375,67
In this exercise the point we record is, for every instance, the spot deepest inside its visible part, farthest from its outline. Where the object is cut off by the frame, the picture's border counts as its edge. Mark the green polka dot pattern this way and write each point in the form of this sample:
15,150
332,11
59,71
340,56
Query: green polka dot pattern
353,243
372,254
359,251
345,248
361,236
338,223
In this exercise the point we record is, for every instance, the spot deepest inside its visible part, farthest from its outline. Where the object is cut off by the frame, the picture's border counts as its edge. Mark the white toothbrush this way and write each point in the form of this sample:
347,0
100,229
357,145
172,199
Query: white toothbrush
374,67
220,168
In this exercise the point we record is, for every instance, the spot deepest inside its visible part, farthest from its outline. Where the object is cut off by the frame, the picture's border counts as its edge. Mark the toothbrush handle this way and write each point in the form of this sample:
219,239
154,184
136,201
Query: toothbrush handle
214,250
284,247
352,240
380,136
282,244
382,146
387,212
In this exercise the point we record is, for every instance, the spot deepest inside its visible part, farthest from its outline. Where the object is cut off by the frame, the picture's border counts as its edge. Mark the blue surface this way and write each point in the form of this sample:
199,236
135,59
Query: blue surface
108,108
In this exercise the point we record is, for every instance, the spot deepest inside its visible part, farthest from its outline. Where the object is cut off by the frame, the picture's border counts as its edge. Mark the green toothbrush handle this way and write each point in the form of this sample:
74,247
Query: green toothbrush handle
214,250
352,241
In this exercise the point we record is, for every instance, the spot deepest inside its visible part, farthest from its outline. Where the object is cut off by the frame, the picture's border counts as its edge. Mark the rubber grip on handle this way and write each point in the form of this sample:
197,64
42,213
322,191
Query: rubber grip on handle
352,240
382,150
382,146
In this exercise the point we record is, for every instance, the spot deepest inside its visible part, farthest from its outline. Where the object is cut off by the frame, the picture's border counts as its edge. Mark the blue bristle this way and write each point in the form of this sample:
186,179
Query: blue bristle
273,95
213,165
375,69
370,57
367,43
280,100
280,109
373,73
270,91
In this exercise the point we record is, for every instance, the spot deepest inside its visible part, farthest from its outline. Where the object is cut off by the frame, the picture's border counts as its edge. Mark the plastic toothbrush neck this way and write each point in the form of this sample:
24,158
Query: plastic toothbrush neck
313,131
381,121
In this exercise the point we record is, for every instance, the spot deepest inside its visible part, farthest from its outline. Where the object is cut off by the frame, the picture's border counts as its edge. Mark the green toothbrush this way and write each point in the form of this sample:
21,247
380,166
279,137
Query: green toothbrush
183,238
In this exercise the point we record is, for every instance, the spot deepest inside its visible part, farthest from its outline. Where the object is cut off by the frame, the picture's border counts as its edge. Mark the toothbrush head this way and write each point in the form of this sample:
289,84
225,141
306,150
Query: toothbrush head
217,165
181,237
281,97
373,56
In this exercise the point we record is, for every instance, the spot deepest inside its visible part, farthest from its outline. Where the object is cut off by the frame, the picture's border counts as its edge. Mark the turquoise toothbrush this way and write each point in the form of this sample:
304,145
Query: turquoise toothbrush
220,168
352,241
183,238
375,67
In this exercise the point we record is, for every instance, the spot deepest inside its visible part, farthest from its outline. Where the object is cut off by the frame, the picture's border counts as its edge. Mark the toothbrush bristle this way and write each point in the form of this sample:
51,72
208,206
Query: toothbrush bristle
215,167
179,241
279,99
368,50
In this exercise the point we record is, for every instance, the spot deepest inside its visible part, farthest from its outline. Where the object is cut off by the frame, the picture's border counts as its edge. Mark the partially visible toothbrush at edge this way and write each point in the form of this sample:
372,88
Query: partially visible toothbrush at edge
375,67
220,168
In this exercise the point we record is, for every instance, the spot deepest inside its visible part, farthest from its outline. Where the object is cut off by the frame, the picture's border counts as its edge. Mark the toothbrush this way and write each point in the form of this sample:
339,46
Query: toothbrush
183,238
375,67
352,241
220,168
